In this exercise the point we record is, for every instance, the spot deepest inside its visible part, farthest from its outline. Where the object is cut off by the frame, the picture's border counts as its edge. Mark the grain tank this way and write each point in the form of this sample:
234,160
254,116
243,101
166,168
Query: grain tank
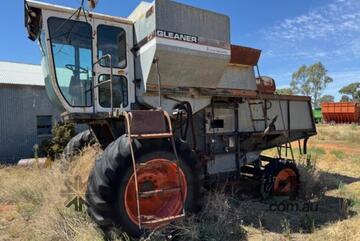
341,112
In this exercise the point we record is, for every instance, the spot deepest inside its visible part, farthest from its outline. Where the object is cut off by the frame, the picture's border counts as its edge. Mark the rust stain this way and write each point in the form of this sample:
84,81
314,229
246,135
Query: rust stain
244,55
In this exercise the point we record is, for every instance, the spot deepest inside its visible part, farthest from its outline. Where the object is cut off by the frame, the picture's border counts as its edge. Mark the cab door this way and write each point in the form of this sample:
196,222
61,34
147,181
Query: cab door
113,62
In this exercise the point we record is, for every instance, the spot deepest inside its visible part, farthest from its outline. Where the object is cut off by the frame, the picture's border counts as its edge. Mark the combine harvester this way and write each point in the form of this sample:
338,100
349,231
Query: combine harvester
317,113
174,105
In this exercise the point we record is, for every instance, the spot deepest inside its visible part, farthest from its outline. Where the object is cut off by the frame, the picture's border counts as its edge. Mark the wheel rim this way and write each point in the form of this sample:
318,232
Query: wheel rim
285,182
156,174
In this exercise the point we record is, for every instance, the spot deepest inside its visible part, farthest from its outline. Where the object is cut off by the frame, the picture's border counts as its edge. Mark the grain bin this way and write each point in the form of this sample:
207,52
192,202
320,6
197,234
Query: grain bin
341,112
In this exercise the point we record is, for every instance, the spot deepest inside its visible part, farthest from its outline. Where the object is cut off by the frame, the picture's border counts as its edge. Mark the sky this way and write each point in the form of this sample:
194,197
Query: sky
290,33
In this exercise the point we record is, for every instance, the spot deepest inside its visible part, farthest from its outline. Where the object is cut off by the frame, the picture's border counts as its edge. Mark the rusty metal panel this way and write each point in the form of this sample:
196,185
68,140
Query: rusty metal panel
266,85
148,122
244,55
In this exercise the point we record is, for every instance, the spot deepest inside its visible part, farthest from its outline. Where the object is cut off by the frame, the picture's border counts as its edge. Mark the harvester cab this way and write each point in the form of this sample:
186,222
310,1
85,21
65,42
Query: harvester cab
82,52
173,104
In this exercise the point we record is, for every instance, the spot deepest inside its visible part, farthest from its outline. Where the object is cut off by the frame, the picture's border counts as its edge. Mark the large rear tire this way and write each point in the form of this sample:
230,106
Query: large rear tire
111,193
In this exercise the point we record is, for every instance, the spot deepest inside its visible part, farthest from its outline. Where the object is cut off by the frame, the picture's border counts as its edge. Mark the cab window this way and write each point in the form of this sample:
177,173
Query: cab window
112,40
71,45
120,91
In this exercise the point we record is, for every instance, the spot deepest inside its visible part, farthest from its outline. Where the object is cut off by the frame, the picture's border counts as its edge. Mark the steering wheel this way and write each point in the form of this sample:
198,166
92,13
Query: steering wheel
73,68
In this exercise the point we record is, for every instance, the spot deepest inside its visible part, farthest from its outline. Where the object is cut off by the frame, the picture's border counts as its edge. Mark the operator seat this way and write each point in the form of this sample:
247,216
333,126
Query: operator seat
76,91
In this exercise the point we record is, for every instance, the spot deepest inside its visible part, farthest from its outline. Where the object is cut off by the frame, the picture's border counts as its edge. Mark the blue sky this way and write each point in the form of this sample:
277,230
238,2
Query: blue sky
290,33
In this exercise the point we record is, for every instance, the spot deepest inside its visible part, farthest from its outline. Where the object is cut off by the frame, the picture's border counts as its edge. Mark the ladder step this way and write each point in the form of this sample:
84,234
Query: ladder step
158,191
144,165
258,119
256,103
287,147
151,136
150,125
139,165
162,220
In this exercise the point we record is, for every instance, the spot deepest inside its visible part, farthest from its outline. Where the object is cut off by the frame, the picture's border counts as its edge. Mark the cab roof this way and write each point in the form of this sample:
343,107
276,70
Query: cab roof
57,8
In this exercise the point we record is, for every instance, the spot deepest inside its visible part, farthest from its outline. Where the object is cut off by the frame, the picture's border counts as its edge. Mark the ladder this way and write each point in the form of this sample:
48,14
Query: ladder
264,111
151,124
261,102
287,146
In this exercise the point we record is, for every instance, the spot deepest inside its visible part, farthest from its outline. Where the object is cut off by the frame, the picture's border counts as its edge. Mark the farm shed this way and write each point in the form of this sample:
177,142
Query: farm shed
26,114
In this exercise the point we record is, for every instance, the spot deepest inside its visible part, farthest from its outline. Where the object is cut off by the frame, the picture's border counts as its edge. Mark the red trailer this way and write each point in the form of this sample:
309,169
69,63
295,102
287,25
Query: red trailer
341,112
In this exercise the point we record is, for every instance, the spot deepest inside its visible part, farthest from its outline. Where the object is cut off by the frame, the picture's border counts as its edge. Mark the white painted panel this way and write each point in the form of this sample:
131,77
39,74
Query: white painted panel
278,108
245,122
224,114
238,77
300,115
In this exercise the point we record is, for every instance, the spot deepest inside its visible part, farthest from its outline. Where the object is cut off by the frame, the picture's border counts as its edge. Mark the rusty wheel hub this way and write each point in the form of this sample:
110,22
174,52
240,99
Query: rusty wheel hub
285,182
162,191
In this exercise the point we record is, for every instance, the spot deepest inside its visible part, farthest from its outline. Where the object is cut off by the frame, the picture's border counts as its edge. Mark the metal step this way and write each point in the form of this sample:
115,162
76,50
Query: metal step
139,165
151,136
258,119
286,146
162,220
149,124
158,191
256,103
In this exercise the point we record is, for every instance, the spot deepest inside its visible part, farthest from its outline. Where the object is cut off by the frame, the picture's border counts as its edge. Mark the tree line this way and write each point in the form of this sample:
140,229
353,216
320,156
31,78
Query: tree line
312,81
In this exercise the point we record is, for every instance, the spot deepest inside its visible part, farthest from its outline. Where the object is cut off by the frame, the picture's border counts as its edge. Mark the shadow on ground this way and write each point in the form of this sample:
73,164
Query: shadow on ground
281,215
332,180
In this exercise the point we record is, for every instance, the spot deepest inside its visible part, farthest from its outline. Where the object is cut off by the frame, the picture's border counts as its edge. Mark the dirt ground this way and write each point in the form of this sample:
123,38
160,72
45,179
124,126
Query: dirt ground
328,206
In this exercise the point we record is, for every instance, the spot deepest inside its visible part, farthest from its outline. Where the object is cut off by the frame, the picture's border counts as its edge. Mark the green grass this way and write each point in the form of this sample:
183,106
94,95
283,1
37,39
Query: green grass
317,151
339,154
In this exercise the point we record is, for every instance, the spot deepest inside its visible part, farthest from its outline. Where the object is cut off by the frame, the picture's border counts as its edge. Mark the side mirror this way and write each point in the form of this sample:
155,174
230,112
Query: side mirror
92,4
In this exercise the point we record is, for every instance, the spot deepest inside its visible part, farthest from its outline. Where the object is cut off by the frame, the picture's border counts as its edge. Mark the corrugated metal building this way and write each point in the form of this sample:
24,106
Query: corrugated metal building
26,114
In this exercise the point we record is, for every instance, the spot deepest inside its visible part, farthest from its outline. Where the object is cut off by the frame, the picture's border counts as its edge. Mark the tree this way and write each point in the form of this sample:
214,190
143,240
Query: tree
311,81
62,133
284,91
353,90
345,98
326,98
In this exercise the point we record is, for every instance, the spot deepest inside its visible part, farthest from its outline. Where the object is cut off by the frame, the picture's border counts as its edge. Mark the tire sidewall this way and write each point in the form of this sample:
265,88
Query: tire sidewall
270,174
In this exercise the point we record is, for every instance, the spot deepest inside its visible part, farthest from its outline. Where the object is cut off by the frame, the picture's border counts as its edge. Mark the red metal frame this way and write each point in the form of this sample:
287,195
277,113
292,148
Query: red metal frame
150,135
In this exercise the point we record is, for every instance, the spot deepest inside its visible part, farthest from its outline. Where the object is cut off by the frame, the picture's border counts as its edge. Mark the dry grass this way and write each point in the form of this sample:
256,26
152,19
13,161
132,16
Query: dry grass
36,204
220,219
32,201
